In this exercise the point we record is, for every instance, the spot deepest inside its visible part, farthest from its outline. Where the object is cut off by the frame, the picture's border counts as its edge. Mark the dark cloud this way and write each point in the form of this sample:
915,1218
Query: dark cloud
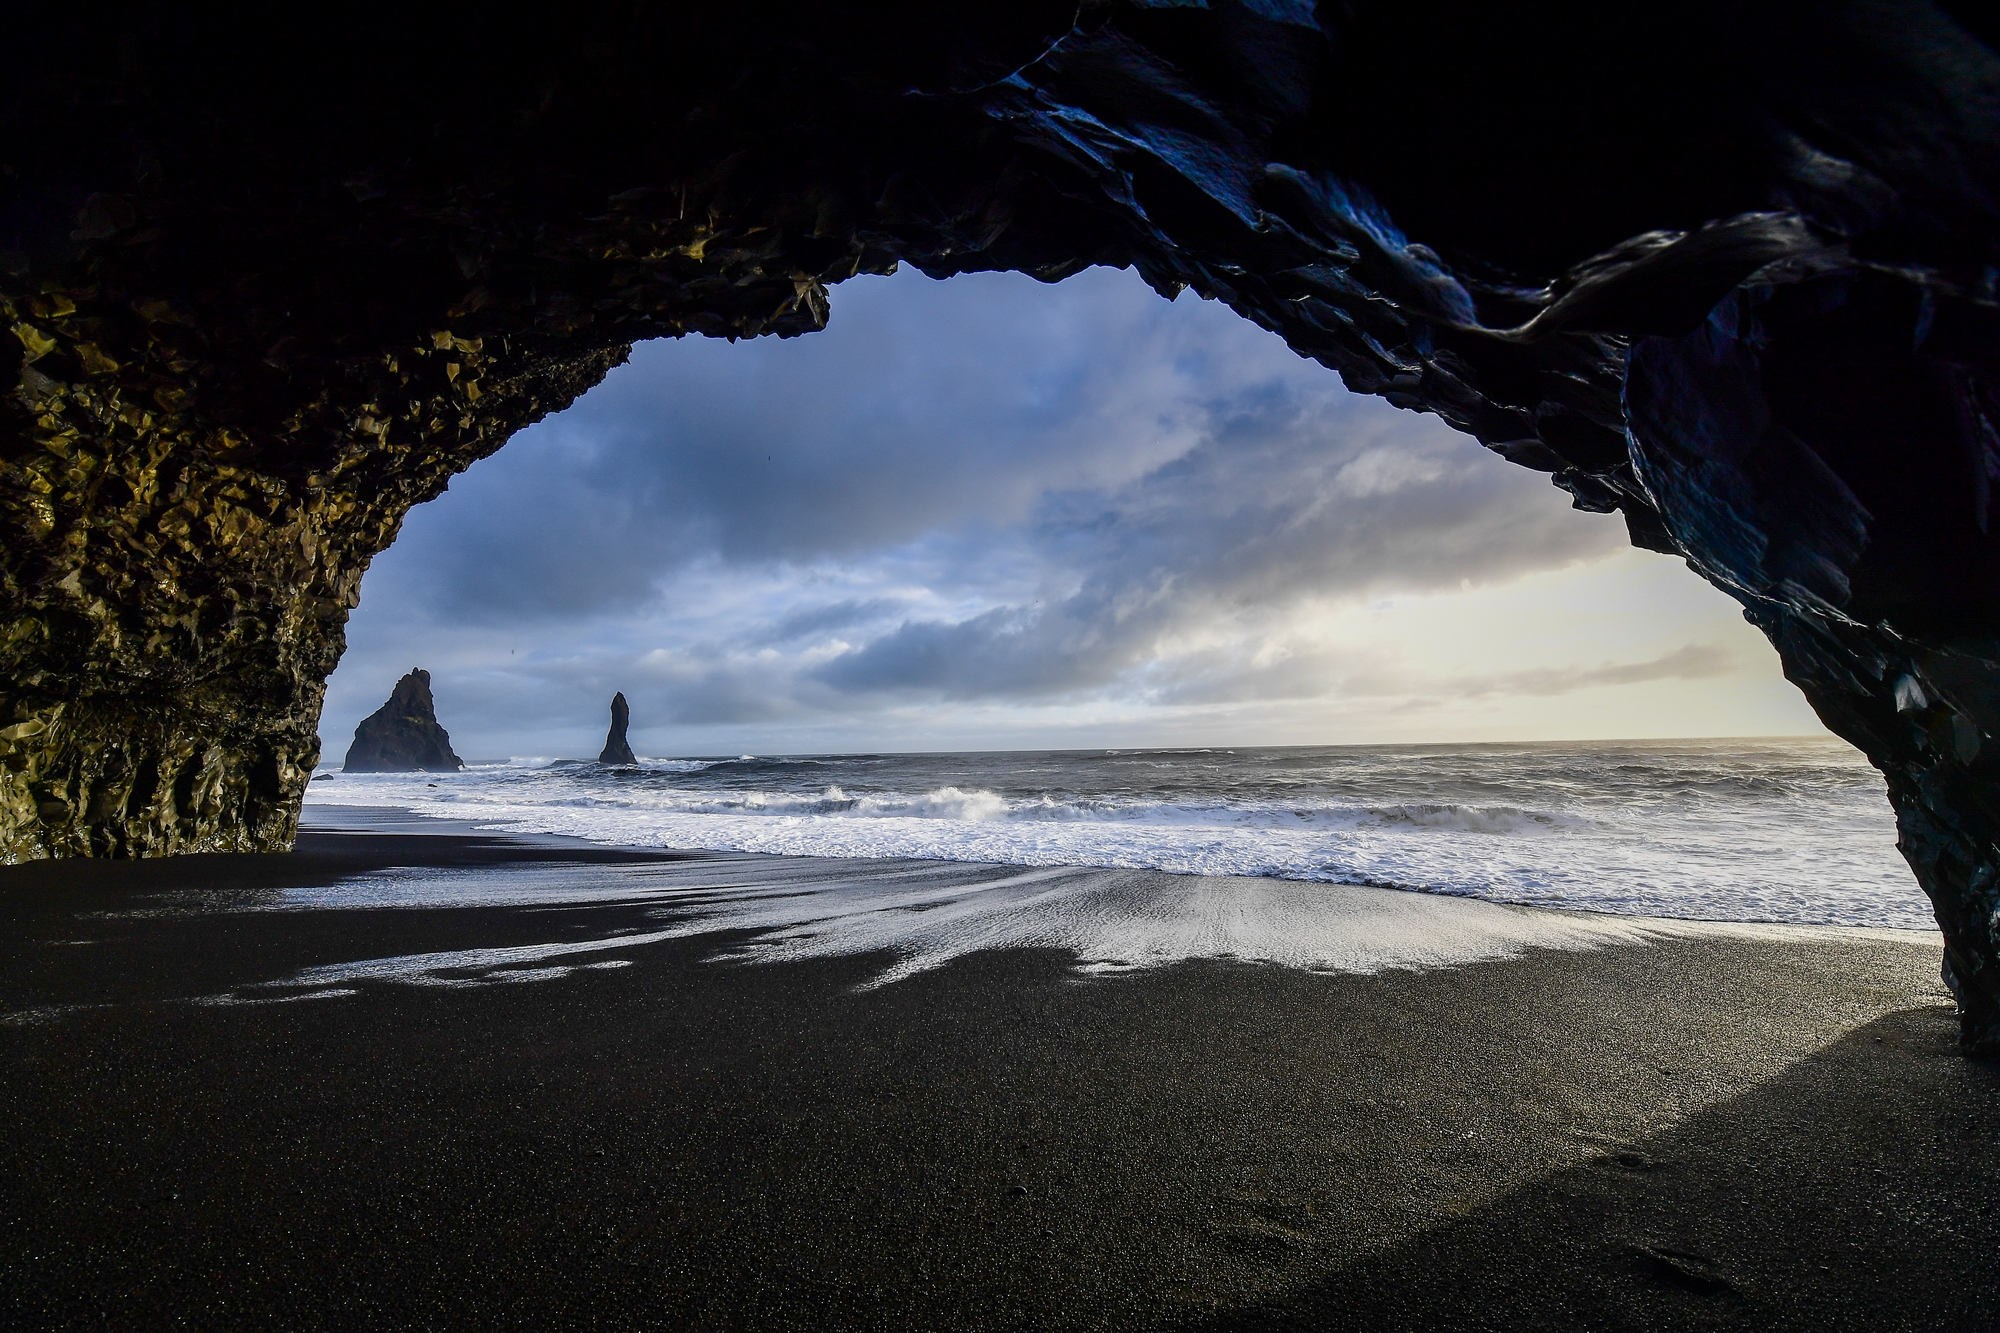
817,621
925,405
1284,495
987,491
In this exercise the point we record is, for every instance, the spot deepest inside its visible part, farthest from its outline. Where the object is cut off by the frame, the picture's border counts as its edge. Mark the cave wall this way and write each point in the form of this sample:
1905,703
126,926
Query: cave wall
1728,269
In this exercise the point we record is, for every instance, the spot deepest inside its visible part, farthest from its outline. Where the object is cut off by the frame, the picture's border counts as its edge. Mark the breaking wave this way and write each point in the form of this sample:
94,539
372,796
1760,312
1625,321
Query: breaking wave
1781,831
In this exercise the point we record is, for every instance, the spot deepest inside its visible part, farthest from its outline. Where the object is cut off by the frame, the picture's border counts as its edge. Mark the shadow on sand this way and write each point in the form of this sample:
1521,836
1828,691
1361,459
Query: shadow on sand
1860,1189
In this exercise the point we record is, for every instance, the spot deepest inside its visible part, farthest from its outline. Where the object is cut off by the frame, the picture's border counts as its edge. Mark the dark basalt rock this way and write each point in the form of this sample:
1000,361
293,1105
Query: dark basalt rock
616,749
1730,269
403,735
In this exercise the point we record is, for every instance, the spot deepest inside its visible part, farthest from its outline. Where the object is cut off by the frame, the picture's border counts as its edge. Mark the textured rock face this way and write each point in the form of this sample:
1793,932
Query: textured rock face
617,750
1730,269
403,735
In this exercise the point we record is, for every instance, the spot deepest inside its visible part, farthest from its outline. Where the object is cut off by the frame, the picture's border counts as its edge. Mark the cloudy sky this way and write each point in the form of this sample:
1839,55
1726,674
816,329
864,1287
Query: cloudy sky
989,514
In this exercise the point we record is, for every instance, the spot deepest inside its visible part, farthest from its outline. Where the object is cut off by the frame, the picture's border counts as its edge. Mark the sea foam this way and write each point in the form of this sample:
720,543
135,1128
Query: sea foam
1784,831
919,916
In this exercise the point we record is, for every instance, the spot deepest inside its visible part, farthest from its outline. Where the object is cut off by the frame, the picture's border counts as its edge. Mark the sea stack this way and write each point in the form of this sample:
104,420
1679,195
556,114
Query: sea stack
403,735
617,750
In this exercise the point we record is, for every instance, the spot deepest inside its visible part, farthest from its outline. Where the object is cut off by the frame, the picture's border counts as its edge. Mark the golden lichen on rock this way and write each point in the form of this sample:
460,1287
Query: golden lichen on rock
178,593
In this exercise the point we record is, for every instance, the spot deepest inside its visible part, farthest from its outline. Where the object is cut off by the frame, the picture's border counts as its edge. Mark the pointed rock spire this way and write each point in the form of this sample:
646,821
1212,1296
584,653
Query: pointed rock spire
403,735
617,750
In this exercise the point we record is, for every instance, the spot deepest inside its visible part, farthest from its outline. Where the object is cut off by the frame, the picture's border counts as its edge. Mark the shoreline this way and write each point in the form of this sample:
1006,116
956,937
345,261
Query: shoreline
403,821
697,1131
1747,830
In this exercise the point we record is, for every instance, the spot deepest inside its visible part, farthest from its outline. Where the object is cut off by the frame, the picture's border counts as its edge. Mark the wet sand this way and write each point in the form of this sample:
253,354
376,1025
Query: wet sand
1672,1132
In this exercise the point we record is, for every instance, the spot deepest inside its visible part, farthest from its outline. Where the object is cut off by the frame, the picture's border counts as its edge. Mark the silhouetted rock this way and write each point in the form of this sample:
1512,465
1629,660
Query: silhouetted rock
617,750
403,735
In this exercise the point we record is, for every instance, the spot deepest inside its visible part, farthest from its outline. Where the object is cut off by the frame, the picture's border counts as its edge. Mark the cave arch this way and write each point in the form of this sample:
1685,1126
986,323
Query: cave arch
1730,270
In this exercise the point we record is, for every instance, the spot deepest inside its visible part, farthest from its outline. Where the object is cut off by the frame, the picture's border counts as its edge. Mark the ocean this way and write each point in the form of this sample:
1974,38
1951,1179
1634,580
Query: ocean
1787,830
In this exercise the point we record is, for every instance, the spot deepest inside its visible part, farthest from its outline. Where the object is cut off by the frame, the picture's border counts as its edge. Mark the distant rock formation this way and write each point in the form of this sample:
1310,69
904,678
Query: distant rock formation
617,750
403,735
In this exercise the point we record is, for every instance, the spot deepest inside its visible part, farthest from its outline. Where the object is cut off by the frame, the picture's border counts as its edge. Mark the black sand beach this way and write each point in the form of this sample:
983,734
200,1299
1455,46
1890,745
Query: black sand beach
1694,1133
